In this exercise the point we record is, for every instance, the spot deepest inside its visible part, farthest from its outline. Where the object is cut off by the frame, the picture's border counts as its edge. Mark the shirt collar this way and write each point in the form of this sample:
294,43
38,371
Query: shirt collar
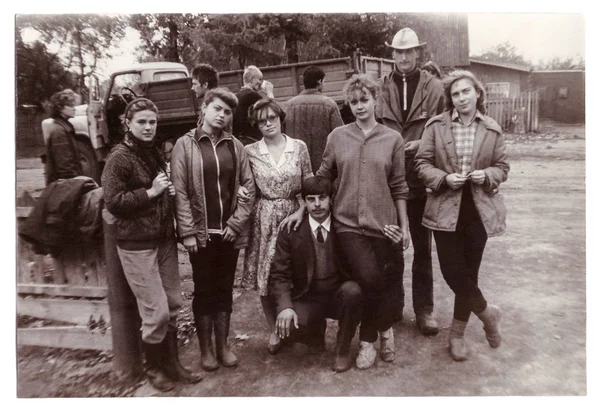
315,224
223,136
289,145
456,117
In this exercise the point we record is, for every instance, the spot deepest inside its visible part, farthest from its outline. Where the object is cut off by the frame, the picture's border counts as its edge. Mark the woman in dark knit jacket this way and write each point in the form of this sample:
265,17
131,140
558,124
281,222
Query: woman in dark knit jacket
138,193
367,159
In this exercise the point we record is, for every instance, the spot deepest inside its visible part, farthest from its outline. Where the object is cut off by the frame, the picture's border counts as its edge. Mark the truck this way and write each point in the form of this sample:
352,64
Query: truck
99,124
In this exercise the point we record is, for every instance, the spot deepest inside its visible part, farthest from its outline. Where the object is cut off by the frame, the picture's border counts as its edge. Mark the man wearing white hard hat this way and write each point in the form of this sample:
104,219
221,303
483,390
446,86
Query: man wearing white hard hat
409,98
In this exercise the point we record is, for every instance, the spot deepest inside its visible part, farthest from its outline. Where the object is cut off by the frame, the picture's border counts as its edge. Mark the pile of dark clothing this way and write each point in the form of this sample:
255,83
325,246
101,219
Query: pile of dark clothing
68,211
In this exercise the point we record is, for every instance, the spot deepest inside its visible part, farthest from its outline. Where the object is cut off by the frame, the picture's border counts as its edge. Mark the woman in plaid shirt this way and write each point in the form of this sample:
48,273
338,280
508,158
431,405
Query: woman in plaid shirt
462,160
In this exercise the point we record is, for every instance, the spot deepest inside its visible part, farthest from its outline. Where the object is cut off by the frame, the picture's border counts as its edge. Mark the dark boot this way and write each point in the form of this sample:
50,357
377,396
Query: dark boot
491,325
342,361
224,354
456,341
155,375
171,364
204,328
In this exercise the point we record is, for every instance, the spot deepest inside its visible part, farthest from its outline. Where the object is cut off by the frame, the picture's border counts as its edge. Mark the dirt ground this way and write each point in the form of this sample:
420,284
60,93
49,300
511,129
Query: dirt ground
536,273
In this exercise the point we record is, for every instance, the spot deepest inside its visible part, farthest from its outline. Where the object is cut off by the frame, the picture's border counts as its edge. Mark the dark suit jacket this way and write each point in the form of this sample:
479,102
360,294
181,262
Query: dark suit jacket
293,266
241,125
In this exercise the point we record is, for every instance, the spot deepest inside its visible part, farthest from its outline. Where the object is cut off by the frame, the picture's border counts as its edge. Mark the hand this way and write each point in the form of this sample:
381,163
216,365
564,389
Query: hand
393,232
411,147
405,238
477,176
229,235
171,190
190,244
243,195
455,180
267,87
292,221
283,325
159,184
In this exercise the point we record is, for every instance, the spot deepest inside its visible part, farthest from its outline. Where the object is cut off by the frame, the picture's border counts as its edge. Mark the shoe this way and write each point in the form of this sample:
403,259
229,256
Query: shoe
274,348
342,361
427,324
456,342
366,355
154,373
224,354
491,325
458,348
387,347
171,365
204,329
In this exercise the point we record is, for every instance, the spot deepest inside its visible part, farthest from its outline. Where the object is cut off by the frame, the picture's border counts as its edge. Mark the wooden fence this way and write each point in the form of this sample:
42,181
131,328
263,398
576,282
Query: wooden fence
517,114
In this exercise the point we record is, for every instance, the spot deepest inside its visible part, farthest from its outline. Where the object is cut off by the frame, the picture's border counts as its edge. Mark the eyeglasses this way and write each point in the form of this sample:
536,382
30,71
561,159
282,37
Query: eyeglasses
270,118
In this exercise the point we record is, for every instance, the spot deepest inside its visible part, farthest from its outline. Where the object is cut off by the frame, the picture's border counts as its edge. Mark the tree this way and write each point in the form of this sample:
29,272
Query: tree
505,52
557,63
39,73
83,39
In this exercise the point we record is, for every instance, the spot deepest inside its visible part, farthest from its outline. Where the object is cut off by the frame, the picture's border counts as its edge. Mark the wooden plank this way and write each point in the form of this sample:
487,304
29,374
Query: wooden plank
64,310
96,292
73,337
294,78
23,212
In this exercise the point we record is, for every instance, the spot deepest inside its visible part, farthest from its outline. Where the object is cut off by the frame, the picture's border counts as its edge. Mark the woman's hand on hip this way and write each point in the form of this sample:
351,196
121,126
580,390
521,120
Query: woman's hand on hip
190,244
229,235
455,180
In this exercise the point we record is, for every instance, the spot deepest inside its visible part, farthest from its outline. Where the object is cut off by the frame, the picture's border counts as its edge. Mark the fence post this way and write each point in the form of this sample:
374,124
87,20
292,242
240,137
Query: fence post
124,317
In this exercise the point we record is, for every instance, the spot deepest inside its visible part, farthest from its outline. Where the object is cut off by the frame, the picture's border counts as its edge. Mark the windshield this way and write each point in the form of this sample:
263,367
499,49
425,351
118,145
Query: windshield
164,75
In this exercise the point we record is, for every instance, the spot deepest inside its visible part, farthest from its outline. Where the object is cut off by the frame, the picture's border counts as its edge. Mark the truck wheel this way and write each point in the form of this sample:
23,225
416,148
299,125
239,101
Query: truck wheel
87,158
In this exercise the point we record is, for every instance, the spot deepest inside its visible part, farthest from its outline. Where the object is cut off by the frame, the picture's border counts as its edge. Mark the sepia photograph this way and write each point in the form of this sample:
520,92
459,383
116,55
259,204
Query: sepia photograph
300,204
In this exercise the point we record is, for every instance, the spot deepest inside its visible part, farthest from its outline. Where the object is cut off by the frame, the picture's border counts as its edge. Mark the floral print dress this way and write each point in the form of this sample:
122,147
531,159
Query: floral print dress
277,188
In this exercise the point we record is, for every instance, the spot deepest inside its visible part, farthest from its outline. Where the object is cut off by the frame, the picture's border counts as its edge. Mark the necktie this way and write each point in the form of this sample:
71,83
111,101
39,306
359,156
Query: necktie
320,234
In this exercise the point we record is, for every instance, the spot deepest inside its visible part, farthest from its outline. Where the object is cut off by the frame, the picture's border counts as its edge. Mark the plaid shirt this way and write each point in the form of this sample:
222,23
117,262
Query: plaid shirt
464,136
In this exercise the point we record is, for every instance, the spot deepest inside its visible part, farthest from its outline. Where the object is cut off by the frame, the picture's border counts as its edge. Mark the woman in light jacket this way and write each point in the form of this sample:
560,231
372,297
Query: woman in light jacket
208,167
462,161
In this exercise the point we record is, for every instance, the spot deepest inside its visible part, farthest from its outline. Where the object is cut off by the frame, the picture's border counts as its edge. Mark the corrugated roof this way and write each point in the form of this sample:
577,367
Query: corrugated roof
507,65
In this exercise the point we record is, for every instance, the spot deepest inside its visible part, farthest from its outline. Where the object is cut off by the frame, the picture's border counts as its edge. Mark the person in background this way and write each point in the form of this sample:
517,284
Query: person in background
62,156
308,280
279,164
247,96
409,97
204,78
311,116
367,159
207,169
138,193
433,69
462,159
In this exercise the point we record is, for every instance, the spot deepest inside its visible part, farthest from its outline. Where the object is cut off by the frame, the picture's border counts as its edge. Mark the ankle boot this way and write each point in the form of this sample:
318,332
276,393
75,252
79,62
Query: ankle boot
154,373
171,364
491,325
456,341
204,328
224,354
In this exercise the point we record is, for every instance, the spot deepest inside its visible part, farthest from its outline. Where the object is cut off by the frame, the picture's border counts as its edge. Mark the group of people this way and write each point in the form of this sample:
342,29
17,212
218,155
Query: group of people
323,210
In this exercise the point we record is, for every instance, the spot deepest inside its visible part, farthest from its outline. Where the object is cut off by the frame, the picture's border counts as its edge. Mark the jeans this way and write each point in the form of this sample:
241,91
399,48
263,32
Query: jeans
153,276
422,272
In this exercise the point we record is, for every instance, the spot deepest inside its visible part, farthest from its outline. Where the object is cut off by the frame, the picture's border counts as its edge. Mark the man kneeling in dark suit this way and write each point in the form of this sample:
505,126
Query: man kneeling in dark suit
307,278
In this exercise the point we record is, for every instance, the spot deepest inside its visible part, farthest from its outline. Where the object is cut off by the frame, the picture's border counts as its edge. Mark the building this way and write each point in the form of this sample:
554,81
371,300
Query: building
562,94
501,78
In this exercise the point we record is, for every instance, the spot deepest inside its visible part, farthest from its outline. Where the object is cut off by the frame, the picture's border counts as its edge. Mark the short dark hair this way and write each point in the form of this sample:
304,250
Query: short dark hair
463,74
206,73
223,94
433,69
316,185
311,76
61,99
263,104
138,105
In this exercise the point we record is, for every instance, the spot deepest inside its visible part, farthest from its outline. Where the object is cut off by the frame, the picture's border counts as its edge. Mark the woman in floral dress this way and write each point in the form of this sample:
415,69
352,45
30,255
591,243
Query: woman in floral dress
279,164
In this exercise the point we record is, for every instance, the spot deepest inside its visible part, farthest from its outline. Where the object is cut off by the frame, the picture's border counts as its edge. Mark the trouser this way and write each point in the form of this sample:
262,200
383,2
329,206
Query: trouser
460,253
377,267
344,304
422,272
153,276
213,269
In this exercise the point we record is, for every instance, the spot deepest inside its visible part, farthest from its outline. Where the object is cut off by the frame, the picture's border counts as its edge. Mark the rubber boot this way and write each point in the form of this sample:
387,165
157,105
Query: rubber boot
343,361
171,364
456,341
156,376
491,325
224,355
204,328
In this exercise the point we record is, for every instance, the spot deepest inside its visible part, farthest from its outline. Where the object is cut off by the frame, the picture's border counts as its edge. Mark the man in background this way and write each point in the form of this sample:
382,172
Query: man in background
247,96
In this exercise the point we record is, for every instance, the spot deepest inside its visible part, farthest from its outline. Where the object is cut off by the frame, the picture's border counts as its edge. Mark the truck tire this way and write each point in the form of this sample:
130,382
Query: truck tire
87,158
